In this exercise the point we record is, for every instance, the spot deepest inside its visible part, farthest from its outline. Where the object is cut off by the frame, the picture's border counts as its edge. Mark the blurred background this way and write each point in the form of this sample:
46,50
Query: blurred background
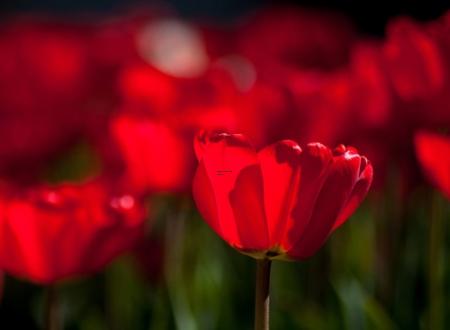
83,82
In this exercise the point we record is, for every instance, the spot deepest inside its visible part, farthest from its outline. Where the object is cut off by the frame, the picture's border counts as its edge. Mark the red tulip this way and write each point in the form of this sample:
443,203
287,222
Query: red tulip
156,158
323,104
417,62
50,233
279,40
281,202
370,91
413,60
45,77
433,153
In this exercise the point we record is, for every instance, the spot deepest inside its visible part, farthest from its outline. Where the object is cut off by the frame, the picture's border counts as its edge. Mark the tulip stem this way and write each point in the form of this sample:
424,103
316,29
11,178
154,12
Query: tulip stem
51,309
262,294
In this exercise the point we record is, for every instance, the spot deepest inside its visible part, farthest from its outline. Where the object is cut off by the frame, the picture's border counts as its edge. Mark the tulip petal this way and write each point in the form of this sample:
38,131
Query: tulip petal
246,200
280,165
204,196
224,157
335,191
315,162
359,192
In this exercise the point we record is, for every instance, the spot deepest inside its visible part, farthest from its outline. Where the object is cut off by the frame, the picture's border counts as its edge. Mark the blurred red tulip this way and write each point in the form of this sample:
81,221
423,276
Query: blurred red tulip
323,104
44,83
281,202
48,233
278,40
417,62
439,31
413,59
370,88
433,153
144,87
156,158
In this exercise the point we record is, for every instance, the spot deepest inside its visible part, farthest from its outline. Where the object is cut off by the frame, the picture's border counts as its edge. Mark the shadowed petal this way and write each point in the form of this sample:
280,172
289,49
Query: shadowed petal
204,196
247,203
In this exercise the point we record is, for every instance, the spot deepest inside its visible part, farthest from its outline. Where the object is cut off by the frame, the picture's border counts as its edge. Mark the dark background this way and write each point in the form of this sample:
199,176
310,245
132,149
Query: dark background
369,16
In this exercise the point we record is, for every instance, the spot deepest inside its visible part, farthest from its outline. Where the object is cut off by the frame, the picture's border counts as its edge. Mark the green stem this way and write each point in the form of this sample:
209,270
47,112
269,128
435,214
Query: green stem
51,309
262,294
435,265
174,272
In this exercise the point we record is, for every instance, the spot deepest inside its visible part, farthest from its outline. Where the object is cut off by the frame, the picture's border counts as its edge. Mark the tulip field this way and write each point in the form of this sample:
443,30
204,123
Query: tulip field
281,170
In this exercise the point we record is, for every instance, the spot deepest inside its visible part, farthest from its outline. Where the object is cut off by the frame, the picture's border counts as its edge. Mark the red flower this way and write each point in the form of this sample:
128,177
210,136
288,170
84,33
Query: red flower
413,59
51,233
433,153
416,59
155,157
370,91
281,202
279,40
45,80
322,107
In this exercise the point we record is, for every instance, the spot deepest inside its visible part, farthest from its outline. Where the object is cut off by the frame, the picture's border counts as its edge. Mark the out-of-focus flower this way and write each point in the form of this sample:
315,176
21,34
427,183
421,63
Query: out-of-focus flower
49,233
439,31
279,40
400,85
413,60
281,202
44,83
371,91
155,157
323,105
418,67
433,153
